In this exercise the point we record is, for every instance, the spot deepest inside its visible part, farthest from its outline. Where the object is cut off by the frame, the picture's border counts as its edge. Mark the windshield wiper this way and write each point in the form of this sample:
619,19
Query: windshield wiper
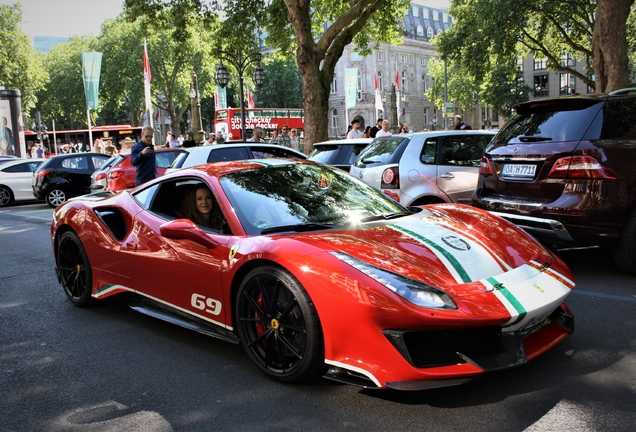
385,216
534,138
297,228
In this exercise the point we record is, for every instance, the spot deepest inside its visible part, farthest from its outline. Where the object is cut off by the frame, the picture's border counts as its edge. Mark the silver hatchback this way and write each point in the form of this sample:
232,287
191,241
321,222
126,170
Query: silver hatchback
424,167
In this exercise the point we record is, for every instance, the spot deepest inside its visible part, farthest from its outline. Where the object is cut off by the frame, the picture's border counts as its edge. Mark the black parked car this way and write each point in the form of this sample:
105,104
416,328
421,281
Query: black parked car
66,176
563,169
339,153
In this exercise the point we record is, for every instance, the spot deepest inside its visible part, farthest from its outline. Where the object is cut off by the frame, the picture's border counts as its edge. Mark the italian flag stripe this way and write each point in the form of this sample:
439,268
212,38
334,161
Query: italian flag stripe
449,257
511,299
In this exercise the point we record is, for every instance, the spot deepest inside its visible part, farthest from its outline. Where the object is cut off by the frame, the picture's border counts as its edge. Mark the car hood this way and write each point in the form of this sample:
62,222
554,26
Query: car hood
444,247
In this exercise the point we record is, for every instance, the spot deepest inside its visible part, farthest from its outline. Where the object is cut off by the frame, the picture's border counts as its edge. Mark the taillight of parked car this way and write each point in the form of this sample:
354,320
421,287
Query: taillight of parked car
100,176
390,179
581,167
114,175
42,173
485,168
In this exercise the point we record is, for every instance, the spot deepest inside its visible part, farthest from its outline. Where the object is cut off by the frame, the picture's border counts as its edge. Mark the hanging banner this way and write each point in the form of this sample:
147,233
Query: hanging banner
91,69
221,98
351,87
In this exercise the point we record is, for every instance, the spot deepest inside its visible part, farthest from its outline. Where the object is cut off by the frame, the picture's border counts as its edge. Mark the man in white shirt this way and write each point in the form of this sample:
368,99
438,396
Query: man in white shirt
385,130
257,135
355,132
210,141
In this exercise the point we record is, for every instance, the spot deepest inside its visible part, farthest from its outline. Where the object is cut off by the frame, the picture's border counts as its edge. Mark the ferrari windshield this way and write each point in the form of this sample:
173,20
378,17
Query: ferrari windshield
302,197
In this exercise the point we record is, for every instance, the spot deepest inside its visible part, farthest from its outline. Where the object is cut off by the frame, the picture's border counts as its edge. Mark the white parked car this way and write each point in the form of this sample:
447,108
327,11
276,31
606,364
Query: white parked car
229,152
16,176
424,167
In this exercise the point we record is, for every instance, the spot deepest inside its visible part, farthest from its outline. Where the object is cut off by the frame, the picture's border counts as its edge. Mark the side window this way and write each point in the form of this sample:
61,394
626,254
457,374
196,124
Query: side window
98,162
176,199
619,119
465,150
429,151
75,163
24,167
165,159
228,154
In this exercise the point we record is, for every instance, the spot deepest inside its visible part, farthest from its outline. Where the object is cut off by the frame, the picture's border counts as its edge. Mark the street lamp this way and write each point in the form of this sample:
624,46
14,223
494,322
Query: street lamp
241,63
195,109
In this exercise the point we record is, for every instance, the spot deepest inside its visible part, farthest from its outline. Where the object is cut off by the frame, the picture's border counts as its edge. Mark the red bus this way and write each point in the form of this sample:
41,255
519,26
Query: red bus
228,121
113,133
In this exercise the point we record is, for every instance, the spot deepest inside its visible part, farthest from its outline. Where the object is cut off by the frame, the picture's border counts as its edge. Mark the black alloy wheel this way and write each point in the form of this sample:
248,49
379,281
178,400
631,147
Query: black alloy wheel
278,325
75,270
5,196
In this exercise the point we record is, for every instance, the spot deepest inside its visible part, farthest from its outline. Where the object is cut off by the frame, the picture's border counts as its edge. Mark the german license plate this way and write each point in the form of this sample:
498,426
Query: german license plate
519,170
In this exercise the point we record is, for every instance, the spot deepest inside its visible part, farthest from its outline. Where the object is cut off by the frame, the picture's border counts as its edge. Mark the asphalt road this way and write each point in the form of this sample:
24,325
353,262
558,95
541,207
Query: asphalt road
109,368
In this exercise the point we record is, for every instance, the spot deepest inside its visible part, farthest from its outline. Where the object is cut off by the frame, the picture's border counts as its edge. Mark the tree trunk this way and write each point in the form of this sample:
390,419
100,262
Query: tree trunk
316,105
609,45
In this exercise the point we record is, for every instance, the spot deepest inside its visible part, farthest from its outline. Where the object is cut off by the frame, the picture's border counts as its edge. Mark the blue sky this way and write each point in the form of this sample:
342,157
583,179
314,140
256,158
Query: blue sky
65,17
79,17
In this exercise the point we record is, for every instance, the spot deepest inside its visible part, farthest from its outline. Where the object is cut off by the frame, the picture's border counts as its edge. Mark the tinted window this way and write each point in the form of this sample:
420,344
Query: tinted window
429,151
325,154
382,151
548,122
619,118
228,154
179,160
274,152
462,150
23,167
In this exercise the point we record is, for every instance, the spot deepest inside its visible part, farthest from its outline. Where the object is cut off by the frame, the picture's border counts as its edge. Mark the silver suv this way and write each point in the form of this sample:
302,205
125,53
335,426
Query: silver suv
424,167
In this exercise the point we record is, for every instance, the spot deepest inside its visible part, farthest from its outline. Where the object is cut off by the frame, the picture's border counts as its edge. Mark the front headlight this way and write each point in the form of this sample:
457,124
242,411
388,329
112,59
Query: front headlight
411,290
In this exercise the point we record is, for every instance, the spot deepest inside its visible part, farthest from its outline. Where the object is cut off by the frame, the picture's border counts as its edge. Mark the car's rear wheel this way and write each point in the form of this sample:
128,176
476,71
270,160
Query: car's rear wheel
5,196
75,269
55,197
278,325
625,250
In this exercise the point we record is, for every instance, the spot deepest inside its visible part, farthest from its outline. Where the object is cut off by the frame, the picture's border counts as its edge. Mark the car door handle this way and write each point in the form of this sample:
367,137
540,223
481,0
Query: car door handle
447,176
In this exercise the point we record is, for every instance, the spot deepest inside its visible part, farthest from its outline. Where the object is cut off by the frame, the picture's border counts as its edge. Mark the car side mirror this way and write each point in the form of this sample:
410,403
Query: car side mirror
185,229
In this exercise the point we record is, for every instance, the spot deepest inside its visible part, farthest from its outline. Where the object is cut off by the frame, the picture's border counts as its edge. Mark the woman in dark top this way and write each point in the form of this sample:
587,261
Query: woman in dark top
201,208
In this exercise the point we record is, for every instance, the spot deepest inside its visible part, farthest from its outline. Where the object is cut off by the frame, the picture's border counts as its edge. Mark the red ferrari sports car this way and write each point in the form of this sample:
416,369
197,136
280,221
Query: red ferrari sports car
316,273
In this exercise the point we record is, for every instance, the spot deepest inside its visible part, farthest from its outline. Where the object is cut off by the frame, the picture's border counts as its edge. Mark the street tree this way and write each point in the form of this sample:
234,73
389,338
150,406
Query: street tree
315,31
20,66
63,98
283,88
486,34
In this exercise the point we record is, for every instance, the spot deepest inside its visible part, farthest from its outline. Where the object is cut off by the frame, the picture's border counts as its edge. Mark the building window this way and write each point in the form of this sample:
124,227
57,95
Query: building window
423,61
404,58
403,82
567,83
380,55
439,32
423,83
541,85
380,80
567,60
429,33
435,15
420,30
590,89
334,86
334,118
520,64
355,56
416,11
540,64
359,83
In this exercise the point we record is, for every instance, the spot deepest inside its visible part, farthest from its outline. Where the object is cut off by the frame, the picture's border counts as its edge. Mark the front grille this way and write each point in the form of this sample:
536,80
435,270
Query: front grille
440,347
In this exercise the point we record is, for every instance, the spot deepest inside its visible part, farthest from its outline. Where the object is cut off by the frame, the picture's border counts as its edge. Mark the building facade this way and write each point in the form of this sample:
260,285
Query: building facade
408,62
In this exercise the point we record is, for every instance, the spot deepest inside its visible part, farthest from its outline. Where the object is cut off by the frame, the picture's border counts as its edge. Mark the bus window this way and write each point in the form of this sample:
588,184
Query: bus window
295,113
221,115
253,113
281,114
269,113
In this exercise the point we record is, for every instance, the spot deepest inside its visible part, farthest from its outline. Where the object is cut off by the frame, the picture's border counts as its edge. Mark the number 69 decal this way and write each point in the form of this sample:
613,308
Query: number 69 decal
208,305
